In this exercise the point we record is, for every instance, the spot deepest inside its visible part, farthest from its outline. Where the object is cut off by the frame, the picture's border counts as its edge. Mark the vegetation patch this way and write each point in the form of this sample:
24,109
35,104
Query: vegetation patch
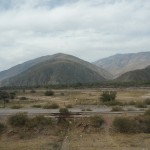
124,125
18,120
117,108
2,128
36,106
49,93
108,96
51,106
23,98
16,106
140,105
97,121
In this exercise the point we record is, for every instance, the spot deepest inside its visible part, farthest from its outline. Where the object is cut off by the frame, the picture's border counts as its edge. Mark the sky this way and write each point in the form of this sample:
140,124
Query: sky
88,29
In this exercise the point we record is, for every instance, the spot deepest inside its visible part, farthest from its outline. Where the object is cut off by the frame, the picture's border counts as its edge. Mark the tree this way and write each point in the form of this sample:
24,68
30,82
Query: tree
4,96
108,96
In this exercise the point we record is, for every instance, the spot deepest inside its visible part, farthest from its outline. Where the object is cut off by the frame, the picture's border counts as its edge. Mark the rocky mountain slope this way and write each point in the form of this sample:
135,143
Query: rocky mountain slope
121,63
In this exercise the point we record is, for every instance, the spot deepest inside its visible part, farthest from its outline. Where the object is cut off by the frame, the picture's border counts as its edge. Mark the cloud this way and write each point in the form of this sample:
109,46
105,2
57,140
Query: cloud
87,29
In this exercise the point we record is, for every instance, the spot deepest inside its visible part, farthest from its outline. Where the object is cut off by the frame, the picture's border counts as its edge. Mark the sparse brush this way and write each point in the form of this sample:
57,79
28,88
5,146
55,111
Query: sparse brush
37,106
2,128
18,120
147,112
51,106
16,107
69,106
97,120
147,101
140,105
49,93
117,108
23,98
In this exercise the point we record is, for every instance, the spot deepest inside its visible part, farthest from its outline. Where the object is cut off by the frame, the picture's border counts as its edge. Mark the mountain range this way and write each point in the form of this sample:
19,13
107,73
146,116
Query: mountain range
121,63
67,69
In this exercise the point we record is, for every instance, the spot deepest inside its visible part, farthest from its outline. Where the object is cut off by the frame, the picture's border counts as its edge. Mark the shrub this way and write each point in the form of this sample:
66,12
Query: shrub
108,96
51,106
97,121
12,95
69,106
49,93
147,101
117,108
140,105
88,109
32,91
23,98
2,128
16,107
64,111
147,112
124,125
36,106
38,121
18,120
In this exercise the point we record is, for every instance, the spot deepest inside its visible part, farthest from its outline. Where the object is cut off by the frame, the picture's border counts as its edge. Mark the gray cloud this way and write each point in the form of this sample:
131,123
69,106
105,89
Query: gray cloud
87,29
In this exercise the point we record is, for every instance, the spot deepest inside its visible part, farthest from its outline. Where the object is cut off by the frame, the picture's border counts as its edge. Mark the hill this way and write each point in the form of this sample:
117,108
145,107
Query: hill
58,69
142,75
121,63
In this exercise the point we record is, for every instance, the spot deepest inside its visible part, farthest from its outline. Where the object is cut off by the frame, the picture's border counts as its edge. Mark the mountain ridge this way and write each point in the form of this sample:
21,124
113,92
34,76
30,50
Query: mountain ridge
121,63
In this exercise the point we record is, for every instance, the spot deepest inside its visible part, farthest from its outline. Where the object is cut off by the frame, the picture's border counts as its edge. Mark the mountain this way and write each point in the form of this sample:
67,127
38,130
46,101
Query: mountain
121,63
21,67
141,75
57,69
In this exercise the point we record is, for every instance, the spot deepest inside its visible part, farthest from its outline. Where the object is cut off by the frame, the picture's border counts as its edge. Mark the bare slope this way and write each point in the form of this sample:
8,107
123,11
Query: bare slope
142,75
121,63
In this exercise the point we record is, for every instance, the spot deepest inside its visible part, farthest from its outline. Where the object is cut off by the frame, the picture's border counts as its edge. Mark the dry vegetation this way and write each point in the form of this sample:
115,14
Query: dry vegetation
81,134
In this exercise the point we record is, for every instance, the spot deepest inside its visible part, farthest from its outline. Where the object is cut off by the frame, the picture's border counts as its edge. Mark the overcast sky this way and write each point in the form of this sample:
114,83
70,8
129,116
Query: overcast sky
89,29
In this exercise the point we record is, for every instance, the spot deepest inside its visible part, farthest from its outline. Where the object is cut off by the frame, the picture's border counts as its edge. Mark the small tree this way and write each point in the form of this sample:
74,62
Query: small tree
4,96
108,96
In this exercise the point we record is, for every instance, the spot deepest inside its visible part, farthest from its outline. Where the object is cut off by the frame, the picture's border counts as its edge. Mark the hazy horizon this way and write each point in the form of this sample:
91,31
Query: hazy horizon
86,29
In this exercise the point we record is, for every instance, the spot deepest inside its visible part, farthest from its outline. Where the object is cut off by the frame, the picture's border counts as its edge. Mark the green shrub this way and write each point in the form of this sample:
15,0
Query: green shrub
147,112
23,98
117,108
37,106
38,121
18,120
88,109
51,106
108,96
124,125
64,111
97,120
147,101
16,106
2,128
143,123
69,106
12,95
49,93
140,105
